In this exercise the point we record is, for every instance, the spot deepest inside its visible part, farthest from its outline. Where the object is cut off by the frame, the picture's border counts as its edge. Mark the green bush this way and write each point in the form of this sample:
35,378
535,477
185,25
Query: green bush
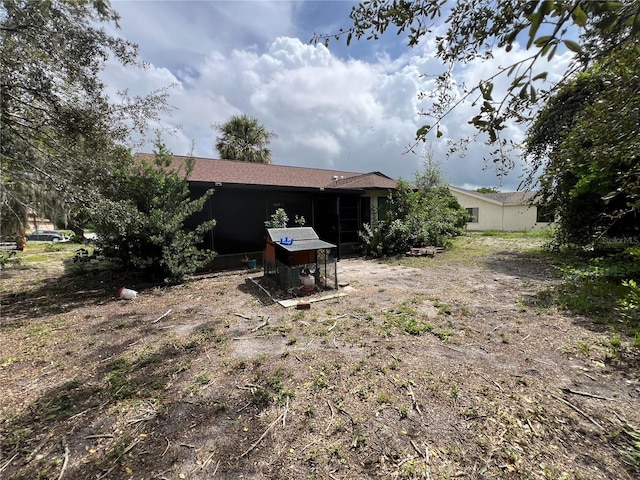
143,228
415,218
8,258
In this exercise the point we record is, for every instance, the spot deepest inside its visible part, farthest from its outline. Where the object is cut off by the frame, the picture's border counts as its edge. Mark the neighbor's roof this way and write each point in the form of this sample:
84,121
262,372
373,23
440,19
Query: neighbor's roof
501,198
209,170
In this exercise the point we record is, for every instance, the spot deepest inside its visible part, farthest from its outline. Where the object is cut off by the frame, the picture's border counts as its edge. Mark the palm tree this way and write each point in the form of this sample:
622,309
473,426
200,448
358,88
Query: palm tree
244,138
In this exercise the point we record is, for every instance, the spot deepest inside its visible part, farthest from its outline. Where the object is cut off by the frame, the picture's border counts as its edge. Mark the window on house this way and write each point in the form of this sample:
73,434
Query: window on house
473,215
365,210
383,207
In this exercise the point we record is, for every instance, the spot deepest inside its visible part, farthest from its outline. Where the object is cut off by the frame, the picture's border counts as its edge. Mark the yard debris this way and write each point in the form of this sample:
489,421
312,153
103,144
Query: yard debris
303,306
127,293
162,316
584,394
571,405
424,251
262,325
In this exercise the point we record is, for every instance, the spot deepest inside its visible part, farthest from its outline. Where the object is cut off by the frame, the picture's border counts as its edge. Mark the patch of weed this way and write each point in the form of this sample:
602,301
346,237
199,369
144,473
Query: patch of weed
444,335
583,347
405,318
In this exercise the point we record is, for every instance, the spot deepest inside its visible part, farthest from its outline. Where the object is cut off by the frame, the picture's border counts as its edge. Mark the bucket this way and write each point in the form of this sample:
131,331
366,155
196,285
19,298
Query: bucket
127,294
251,264
308,281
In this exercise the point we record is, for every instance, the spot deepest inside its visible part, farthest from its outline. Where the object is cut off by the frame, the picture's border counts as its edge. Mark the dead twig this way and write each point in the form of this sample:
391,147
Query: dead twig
571,405
242,316
248,337
413,398
308,445
531,426
333,414
8,463
216,469
493,381
263,289
130,447
162,316
415,447
66,459
584,394
206,462
165,450
101,435
262,325
257,442
284,415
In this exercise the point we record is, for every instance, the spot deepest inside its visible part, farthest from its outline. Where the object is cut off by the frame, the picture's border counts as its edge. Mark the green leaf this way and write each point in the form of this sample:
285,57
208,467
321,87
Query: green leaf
543,40
573,46
540,76
579,17
636,25
486,90
535,19
438,133
422,131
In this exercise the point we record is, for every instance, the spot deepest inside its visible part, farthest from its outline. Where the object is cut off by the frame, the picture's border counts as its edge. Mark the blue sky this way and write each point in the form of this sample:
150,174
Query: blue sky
352,108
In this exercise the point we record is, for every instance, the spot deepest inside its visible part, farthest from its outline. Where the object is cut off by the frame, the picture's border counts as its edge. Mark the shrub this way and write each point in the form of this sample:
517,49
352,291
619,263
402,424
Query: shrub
143,228
415,218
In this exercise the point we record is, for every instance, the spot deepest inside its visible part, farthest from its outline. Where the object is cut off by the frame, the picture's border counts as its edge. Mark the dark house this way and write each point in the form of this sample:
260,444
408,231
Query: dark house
335,203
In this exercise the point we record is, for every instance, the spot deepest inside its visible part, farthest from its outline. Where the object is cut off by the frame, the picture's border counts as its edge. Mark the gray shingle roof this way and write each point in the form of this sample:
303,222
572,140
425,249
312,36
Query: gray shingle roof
297,239
210,170
503,198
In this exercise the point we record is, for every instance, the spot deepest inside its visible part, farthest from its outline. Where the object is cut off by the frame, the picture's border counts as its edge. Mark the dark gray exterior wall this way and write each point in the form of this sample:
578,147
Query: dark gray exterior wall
241,210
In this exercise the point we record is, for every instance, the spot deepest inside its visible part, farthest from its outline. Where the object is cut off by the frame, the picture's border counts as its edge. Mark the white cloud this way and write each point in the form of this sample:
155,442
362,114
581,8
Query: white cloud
328,112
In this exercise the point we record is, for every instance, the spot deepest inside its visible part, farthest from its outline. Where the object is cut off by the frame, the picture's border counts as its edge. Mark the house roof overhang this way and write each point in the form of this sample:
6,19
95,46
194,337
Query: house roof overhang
249,174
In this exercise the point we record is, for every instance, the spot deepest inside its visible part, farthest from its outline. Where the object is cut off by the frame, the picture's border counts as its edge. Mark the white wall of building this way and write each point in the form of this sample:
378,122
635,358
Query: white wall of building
494,215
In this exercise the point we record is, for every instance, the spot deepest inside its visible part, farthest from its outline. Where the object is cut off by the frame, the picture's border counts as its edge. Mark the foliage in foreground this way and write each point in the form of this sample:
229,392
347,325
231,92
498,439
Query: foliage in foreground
414,218
602,284
589,179
148,233
60,131
477,30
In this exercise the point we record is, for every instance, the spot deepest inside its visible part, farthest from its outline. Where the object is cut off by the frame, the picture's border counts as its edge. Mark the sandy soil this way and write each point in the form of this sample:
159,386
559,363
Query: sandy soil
454,366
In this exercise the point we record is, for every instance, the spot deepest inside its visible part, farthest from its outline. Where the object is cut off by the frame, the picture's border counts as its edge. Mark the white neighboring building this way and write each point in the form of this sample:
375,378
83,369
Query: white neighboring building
503,211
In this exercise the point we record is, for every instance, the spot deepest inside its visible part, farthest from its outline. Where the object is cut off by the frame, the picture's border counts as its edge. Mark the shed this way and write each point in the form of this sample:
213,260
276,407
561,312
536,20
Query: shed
298,259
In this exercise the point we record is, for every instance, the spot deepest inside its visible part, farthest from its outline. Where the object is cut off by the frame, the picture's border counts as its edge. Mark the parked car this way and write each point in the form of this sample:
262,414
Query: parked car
46,236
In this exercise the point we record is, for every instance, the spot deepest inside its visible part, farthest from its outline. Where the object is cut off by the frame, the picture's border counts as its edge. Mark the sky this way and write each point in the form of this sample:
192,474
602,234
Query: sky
353,108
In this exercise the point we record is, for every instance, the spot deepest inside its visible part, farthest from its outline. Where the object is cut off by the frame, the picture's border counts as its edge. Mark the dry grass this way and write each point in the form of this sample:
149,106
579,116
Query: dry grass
456,366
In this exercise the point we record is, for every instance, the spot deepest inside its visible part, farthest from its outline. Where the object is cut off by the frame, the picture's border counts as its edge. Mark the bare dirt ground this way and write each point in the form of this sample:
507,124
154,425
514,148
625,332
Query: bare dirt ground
453,366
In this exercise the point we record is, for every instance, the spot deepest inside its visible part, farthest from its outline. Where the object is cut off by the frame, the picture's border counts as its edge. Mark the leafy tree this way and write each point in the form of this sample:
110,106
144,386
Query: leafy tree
585,142
59,130
487,190
279,219
431,175
147,232
476,28
417,216
244,138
